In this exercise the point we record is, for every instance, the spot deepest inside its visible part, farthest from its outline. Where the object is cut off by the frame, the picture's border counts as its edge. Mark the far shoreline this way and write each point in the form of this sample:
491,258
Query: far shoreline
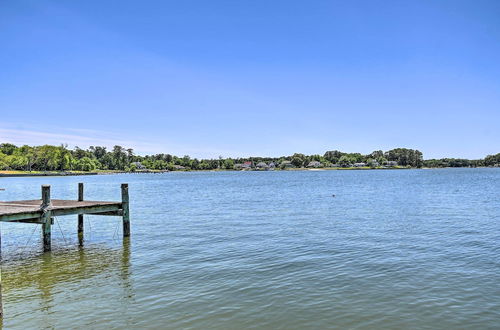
11,174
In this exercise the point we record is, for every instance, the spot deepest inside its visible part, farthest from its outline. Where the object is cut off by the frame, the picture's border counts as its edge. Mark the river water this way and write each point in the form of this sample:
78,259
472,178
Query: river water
393,249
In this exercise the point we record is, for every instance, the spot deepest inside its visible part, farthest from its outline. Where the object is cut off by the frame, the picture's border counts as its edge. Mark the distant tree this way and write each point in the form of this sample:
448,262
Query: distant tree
333,156
86,164
405,157
356,157
298,160
79,153
119,158
98,152
7,148
382,160
4,162
371,162
345,161
492,160
377,154
228,164
56,158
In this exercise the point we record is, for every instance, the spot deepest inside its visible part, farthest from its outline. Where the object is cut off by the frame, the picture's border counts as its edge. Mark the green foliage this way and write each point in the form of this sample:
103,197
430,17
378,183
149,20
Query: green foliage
345,161
228,164
372,162
132,168
492,160
298,160
7,148
333,156
60,158
87,164
405,157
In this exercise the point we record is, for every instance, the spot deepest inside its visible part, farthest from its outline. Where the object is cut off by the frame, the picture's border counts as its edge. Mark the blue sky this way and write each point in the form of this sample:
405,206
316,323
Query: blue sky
242,78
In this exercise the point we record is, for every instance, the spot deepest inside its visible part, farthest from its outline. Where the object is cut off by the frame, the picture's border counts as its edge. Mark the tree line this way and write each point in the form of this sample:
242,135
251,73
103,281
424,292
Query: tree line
61,158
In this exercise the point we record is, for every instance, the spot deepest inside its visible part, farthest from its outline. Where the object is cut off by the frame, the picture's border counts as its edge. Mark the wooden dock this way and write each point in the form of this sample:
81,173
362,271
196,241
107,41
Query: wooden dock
42,211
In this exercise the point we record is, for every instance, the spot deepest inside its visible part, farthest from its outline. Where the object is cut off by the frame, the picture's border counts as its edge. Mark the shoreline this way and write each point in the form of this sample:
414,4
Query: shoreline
6,174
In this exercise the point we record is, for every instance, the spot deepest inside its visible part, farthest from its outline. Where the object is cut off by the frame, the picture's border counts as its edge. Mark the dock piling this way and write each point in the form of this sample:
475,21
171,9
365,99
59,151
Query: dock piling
125,208
1,304
80,216
46,218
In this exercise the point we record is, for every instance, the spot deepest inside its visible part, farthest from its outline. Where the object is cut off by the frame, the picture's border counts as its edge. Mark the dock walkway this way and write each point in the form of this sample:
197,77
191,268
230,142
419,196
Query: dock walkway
31,211
41,211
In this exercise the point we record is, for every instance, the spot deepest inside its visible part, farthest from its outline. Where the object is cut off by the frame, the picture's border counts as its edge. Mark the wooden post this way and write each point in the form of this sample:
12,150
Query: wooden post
125,209
46,218
1,305
80,216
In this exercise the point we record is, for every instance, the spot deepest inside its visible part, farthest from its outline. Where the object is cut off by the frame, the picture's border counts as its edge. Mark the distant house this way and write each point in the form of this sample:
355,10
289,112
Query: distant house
286,164
179,167
391,163
314,164
243,166
246,166
262,166
272,166
359,164
138,165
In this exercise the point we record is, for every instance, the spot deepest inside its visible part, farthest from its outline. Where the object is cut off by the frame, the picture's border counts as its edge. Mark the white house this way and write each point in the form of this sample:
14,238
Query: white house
314,164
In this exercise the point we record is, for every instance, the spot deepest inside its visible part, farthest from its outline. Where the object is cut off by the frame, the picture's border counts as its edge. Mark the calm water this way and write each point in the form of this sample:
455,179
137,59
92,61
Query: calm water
267,250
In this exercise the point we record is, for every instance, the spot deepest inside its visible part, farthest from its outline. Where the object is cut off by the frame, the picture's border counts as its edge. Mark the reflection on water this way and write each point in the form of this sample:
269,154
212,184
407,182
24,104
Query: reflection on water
411,249
36,282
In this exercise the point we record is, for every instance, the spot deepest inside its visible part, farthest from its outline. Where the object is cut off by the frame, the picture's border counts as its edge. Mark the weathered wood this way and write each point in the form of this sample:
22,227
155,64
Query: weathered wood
45,196
125,210
46,218
37,221
86,209
1,304
22,210
117,213
39,211
80,216
19,216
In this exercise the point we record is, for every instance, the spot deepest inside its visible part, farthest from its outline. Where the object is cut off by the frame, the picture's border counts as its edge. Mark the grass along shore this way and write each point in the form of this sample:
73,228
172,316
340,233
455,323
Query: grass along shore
108,172
68,173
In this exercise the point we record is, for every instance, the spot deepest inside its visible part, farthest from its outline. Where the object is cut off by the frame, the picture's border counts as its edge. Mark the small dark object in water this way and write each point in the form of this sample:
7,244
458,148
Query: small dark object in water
333,195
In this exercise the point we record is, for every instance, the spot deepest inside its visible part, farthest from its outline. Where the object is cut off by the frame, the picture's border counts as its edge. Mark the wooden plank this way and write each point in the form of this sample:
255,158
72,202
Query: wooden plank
20,216
11,208
86,210
7,210
37,221
118,213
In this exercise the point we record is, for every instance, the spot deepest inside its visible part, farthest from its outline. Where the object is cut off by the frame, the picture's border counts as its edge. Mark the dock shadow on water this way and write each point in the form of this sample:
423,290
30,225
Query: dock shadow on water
40,285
